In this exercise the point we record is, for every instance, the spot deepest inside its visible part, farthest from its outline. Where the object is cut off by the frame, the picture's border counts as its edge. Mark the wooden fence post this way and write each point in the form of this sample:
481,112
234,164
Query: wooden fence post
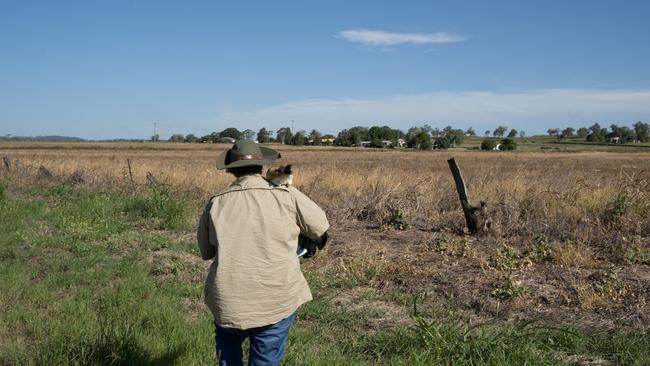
128,162
475,223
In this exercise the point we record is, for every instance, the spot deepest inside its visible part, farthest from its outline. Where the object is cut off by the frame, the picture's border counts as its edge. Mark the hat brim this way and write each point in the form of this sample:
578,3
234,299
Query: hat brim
269,155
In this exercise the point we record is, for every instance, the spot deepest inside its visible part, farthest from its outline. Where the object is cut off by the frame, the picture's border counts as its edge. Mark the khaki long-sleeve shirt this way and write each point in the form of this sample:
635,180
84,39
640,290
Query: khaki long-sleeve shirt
251,230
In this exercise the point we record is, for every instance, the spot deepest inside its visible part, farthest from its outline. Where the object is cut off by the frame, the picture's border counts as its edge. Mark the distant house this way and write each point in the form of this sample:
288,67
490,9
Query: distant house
328,140
365,143
386,143
497,147
401,143
615,140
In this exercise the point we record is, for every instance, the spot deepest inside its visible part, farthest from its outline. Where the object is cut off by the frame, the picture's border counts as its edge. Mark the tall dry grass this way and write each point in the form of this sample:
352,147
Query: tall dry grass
593,198
568,229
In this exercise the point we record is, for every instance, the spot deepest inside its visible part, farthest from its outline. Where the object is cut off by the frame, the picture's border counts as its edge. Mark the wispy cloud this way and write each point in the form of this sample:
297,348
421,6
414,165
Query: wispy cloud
381,38
534,110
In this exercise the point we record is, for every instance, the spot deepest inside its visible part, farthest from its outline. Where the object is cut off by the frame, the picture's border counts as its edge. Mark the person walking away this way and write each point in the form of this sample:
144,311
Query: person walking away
250,232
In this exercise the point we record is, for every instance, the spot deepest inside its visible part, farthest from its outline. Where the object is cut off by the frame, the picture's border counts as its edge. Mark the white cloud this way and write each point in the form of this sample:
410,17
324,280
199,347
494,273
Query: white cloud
381,38
533,111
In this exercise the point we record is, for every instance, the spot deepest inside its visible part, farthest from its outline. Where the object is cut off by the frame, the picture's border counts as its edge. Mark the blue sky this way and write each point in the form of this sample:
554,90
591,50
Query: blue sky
111,69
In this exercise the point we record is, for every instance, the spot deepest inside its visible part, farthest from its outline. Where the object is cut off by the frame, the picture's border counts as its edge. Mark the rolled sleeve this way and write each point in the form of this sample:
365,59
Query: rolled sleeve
204,235
310,218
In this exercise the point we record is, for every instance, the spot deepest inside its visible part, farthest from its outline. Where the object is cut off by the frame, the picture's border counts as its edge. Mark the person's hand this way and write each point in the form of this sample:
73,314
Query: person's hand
312,246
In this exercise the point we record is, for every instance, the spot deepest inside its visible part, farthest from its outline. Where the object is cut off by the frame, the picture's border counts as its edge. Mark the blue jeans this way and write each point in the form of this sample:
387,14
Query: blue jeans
267,343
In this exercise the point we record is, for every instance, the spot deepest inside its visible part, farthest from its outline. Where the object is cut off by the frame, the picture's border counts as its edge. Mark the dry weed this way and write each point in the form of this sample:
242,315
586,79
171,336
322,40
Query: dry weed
588,298
571,254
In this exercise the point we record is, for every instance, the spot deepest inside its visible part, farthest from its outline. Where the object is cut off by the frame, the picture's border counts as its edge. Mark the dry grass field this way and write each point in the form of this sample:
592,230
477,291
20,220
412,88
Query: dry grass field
568,245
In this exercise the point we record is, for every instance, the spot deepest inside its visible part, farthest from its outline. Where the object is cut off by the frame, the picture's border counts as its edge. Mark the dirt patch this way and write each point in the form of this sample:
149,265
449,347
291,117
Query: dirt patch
168,265
584,360
380,314
487,277
194,308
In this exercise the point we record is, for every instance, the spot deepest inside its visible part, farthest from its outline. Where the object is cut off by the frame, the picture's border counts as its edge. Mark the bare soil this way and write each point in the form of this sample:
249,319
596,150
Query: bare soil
410,262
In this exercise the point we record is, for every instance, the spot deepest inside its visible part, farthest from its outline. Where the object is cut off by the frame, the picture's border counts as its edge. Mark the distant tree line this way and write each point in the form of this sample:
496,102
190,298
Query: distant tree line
421,137
424,137
640,132
282,135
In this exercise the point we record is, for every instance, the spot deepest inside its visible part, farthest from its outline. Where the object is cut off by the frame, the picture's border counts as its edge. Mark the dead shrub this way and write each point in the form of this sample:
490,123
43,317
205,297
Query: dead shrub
79,176
587,296
631,201
572,254
44,173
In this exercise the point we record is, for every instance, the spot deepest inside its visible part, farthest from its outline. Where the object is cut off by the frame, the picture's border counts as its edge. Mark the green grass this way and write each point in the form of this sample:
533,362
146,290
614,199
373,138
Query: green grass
78,286
75,289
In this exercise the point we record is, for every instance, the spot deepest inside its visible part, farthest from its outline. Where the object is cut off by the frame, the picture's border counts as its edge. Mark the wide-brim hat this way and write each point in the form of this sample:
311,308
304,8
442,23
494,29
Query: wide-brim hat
246,153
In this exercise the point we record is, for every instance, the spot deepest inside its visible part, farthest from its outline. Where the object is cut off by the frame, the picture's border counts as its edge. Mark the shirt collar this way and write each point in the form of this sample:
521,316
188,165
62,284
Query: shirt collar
249,181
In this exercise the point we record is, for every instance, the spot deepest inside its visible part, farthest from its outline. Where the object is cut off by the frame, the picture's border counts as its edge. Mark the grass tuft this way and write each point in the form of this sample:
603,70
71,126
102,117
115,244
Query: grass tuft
164,204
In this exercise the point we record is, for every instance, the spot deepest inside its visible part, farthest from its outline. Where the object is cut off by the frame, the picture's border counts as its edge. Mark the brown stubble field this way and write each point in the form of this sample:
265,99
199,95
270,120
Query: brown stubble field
569,241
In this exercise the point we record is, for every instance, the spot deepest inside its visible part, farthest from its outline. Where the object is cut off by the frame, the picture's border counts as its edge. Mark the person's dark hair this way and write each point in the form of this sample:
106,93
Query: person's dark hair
245,170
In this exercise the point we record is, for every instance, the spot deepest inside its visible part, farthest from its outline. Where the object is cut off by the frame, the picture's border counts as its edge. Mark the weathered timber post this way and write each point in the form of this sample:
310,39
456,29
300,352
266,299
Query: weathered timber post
128,162
475,223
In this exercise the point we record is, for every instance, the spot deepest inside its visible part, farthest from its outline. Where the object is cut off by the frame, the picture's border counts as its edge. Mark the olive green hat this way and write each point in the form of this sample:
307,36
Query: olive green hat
246,153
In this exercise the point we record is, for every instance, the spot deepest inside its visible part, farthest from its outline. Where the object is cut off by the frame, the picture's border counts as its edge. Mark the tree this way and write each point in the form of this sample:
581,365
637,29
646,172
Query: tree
231,132
417,138
582,132
596,133
554,132
315,137
513,133
455,136
487,133
488,144
352,136
155,138
500,131
411,134
191,138
177,137
508,144
284,136
470,132
263,136
212,137
442,143
642,131
298,138
435,132
421,141
567,133
522,134
624,134
376,135
248,134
